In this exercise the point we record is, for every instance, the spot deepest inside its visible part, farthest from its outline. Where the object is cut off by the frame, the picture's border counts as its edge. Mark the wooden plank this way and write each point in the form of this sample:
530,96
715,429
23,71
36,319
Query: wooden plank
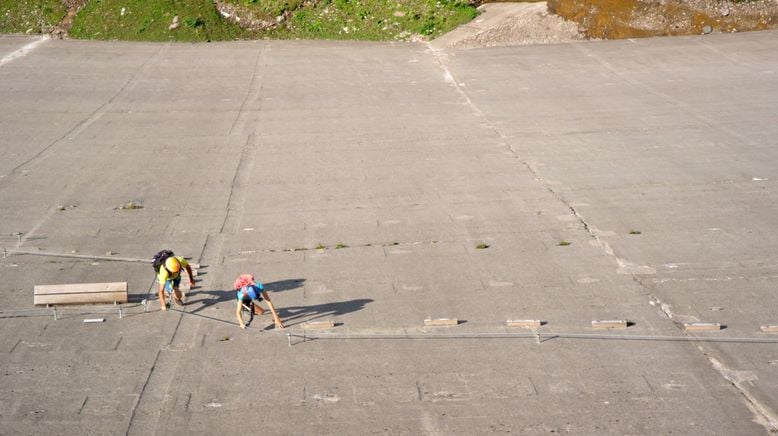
609,324
440,322
318,325
701,326
526,323
80,293
770,328
80,288
92,298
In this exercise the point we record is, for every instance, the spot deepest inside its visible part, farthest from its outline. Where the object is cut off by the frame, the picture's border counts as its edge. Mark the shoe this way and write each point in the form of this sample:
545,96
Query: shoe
178,302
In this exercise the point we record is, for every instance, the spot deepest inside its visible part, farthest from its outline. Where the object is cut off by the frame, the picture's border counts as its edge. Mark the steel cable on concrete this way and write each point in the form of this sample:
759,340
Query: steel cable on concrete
60,311
78,256
541,337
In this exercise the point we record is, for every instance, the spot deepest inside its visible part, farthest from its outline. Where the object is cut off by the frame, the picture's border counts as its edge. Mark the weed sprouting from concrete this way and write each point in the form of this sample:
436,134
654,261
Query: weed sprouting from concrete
635,232
482,246
563,243
133,205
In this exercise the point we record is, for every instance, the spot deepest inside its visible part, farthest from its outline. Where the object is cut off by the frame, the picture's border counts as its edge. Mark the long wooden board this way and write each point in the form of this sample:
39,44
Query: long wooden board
80,293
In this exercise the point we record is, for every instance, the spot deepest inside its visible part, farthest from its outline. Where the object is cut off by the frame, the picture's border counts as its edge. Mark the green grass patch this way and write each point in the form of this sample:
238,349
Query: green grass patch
372,20
30,16
200,20
377,20
563,243
482,246
143,20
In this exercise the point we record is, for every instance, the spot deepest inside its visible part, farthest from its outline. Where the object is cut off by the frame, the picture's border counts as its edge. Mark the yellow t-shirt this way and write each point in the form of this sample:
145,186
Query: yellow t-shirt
164,275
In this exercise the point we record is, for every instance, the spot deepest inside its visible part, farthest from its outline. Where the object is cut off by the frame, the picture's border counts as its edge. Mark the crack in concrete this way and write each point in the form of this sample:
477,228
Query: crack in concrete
337,247
625,266
763,415
254,89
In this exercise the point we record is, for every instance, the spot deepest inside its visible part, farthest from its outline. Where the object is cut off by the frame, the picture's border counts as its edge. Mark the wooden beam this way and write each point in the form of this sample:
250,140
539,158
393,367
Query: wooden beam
609,324
526,323
318,325
440,322
701,326
80,293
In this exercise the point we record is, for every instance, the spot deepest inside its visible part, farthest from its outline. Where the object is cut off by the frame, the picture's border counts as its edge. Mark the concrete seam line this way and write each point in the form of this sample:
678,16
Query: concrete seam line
23,51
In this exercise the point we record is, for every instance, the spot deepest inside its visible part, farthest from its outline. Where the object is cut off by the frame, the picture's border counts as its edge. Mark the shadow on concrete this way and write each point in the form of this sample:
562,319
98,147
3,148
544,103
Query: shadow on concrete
284,285
293,315
218,295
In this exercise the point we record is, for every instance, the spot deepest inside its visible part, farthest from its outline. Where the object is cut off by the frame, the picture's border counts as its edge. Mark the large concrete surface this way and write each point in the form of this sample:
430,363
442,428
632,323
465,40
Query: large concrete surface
247,156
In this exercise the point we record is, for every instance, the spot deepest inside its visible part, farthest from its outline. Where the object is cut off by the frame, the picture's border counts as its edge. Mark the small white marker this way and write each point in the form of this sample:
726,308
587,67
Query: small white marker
90,320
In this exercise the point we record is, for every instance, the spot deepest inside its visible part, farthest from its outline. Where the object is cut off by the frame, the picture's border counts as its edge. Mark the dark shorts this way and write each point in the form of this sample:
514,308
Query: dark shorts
170,284
249,302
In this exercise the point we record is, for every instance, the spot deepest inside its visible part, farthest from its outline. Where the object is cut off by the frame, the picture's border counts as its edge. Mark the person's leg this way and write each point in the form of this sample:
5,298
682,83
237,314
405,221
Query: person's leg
162,299
168,289
176,291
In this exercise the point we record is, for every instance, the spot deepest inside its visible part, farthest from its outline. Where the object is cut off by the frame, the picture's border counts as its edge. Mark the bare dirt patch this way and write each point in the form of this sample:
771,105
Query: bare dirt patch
511,24
614,19
63,27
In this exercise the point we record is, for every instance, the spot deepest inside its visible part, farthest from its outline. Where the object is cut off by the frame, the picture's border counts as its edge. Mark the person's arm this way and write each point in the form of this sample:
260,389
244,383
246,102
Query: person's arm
162,295
238,307
276,319
191,276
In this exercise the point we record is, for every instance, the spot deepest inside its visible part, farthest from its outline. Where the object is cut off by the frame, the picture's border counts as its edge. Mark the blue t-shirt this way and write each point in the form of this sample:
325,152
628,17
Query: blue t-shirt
253,292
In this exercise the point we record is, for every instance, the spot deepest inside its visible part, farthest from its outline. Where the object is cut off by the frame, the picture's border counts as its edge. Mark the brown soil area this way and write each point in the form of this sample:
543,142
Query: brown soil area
62,29
613,19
